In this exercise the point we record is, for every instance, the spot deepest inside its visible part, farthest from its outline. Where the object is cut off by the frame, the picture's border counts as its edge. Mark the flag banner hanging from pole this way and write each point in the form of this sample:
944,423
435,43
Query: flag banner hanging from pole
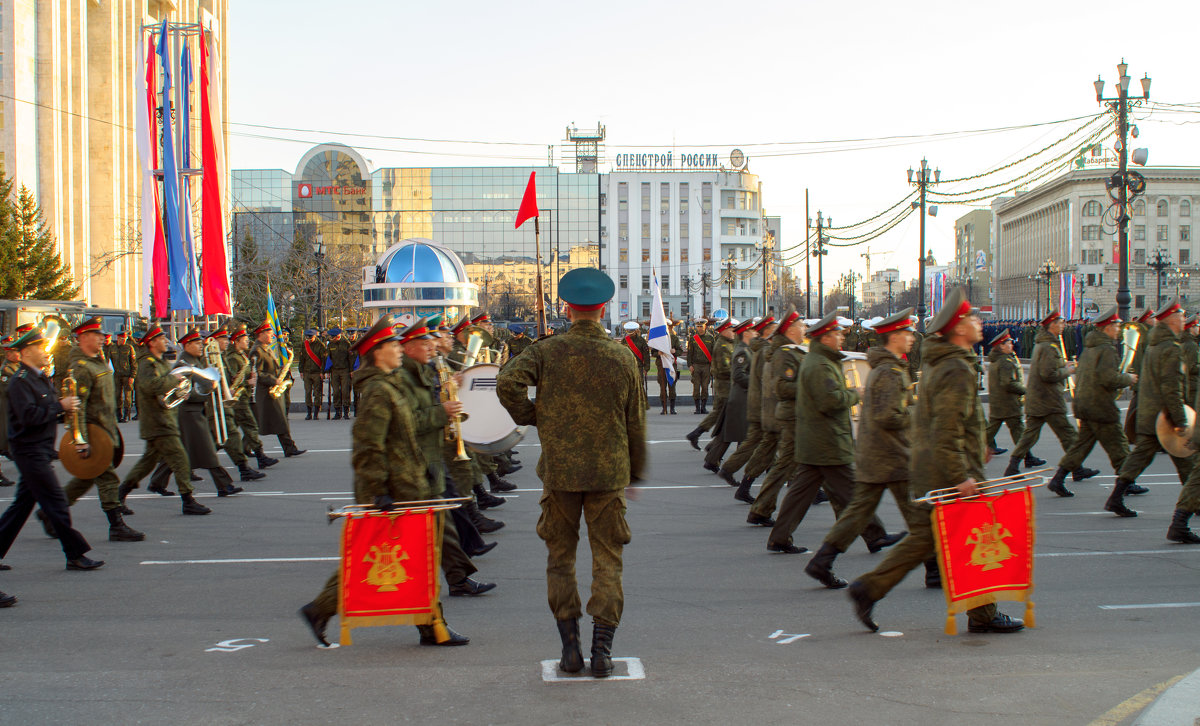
189,240
937,290
529,207
985,551
176,255
1067,305
155,275
389,569
660,334
273,321
215,268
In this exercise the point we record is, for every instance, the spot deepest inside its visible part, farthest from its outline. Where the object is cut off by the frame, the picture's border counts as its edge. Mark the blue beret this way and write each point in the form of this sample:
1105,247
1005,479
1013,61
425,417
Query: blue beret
335,331
586,288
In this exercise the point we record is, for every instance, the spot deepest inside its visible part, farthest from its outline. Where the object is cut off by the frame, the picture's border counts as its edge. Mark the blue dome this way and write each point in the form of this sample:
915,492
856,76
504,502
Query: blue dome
419,262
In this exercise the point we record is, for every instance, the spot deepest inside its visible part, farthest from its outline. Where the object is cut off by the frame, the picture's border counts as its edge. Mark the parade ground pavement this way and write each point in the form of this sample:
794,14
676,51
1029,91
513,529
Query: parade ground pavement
198,624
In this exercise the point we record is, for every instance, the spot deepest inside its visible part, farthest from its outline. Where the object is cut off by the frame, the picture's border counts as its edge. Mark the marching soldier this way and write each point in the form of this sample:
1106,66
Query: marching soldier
882,451
1045,402
1098,383
592,425
312,367
754,433
722,356
195,431
268,409
1190,352
732,425
124,363
388,464
781,387
1006,392
159,426
471,473
699,360
948,450
762,380
233,446
12,363
637,345
340,362
243,382
34,410
97,392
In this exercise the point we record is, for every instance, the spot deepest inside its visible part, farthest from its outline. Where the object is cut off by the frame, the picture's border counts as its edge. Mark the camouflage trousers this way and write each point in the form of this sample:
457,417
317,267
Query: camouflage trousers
1016,427
746,448
763,456
485,462
1110,435
861,510
838,484
124,395
106,485
701,373
906,556
608,533
168,450
1145,446
339,381
781,471
243,417
666,392
1058,423
314,390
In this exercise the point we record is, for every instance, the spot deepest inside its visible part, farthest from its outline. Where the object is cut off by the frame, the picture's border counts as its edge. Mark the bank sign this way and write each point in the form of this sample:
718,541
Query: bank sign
672,161
307,191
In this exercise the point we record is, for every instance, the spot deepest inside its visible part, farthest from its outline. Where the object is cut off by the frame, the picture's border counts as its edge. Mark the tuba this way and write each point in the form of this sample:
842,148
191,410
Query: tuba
199,380
477,339
220,392
1131,335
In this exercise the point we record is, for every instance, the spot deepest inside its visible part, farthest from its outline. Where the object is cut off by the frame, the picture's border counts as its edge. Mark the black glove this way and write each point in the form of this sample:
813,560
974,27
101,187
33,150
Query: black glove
385,503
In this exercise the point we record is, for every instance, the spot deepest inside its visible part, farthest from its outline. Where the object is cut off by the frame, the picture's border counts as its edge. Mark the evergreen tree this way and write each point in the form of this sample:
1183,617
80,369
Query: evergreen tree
31,269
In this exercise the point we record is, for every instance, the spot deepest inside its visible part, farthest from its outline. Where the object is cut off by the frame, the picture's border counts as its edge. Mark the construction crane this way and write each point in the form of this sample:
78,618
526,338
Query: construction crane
867,254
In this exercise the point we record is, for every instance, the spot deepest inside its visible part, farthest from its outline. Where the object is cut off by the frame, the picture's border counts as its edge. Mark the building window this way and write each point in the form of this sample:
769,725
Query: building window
1139,231
1139,257
683,232
645,283
1162,233
666,232
1091,279
624,254
683,198
1185,256
683,283
645,196
1164,209
645,309
1139,301
1139,208
708,254
683,254
666,254
1139,279
1091,209
706,232
1185,208
646,254
706,197
685,308
1185,233
666,285
1091,231
624,282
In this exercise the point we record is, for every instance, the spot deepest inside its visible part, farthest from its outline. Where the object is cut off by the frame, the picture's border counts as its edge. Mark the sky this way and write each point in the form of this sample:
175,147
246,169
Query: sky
749,75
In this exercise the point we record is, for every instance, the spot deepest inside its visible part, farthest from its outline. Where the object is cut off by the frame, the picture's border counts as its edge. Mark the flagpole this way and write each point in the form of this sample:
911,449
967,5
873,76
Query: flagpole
541,298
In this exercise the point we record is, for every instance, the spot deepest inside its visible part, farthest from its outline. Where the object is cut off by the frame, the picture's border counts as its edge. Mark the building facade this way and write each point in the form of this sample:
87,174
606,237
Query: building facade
973,255
1070,221
879,293
68,73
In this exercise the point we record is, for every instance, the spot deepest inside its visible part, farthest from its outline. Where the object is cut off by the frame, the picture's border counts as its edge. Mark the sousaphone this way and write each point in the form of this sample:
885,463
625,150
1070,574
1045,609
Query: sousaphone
100,456
1176,444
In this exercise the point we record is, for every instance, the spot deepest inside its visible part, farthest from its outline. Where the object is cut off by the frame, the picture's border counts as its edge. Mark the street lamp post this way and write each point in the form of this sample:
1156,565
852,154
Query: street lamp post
1160,263
820,253
1120,108
1046,271
890,278
923,178
318,248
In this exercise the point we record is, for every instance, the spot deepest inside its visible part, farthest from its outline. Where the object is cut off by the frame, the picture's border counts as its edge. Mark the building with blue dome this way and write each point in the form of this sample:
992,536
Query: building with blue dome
418,277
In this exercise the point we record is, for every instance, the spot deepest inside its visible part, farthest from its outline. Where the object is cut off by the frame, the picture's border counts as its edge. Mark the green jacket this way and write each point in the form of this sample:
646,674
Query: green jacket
97,392
696,357
1190,353
386,458
1097,380
1161,381
1139,352
1047,375
754,391
124,359
721,366
153,380
785,369
948,430
429,420
823,402
517,344
1006,385
589,411
765,359
883,446
638,341
339,354
307,364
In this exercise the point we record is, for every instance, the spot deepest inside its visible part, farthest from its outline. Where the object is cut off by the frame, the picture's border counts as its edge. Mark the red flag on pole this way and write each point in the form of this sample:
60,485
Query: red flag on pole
529,206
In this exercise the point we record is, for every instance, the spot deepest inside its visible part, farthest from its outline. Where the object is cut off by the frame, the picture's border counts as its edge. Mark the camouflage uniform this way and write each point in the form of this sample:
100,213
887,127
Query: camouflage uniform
701,368
1190,355
158,426
762,370
785,367
97,395
636,343
754,433
947,447
1097,385
592,426
517,344
1045,402
341,361
124,362
1006,396
313,372
1159,388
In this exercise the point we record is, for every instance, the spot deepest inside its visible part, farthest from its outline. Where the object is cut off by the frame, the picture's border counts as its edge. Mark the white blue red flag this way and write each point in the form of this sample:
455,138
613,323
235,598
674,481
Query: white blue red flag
660,335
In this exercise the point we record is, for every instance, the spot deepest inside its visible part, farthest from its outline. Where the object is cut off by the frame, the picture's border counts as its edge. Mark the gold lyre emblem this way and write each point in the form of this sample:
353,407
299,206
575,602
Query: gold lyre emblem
386,571
990,549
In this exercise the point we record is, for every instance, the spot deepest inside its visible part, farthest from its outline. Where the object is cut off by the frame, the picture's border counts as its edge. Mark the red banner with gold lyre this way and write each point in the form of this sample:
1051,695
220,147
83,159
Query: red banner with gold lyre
985,551
390,569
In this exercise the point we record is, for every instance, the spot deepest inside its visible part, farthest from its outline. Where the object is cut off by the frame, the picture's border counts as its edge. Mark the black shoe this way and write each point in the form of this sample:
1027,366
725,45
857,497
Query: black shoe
786,549
863,605
743,492
481,551
694,439
485,499
1119,509
249,474
1135,489
41,517
83,563
1013,468
712,467
4,567
162,490
7,601
337,417
821,497
294,452
572,655
264,461
191,506
229,491
467,586
999,624
1116,500
1179,531
118,531
195,476
727,477
1057,486
1083,473
316,622
886,540
933,575
1032,461
454,639
499,484
125,511
6,482
997,452
820,567
672,408
602,637
308,416
504,468
759,521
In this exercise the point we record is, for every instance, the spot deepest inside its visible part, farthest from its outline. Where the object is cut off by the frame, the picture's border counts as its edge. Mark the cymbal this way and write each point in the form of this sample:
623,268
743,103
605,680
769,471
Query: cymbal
1176,444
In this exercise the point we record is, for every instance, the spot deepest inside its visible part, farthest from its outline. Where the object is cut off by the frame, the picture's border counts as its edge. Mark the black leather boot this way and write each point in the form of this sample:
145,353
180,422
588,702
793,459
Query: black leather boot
249,474
498,484
672,406
602,637
316,622
118,531
820,567
1178,531
484,524
697,405
727,477
863,605
1084,473
572,653
191,506
704,406
743,493
337,414
1032,461
263,460
693,438
1116,500
933,576
1013,468
486,499
506,466
1056,483
308,417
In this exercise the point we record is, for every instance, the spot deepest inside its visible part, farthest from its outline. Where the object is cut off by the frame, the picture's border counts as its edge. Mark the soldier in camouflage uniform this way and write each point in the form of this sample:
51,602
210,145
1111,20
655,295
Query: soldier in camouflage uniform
637,345
124,363
754,432
12,361
592,426
389,466
1006,393
518,342
722,356
340,362
1098,382
948,450
97,394
312,369
781,382
699,360
1190,353
159,425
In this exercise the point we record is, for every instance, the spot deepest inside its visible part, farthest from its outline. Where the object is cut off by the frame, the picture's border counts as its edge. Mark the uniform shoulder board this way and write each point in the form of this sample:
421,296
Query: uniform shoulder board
794,346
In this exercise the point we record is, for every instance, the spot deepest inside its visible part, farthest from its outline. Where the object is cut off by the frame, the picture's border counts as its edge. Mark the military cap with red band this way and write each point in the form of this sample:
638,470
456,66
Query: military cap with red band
461,325
743,326
238,332
827,324
151,333
787,322
92,325
261,329
764,323
381,332
1106,318
899,321
189,336
220,332
1175,306
1145,317
23,329
1002,338
480,318
6,341
586,288
419,330
954,310
1050,318
725,324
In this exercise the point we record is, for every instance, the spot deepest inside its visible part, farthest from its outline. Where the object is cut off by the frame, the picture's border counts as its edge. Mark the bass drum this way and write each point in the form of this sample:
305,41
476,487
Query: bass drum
487,427
856,369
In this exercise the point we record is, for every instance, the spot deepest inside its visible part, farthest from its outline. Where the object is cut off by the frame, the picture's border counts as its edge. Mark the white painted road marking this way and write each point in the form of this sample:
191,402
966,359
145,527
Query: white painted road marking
1173,551
1152,606
786,638
239,561
550,674
232,646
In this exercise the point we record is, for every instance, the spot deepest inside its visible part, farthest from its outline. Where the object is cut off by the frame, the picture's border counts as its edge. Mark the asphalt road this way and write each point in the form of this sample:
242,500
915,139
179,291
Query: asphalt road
710,615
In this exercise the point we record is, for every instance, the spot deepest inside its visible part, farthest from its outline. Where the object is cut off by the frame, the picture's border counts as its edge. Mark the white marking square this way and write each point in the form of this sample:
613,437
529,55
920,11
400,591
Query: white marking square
634,671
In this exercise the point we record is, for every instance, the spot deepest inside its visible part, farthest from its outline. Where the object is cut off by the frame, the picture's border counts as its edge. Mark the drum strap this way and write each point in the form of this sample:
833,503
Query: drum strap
703,347
636,352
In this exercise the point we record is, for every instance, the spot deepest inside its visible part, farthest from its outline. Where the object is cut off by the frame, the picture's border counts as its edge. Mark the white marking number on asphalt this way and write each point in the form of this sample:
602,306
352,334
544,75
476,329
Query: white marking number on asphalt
234,645
787,638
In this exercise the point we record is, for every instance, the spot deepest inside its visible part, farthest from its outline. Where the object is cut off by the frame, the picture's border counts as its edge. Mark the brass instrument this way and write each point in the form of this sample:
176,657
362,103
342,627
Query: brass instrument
449,392
1062,348
220,393
202,380
74,430
937,496
51,328
477,339
100,445
237,388
285,369
1176,444
1131,335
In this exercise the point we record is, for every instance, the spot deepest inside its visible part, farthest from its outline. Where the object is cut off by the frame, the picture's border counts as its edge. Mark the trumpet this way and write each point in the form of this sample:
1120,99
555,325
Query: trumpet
74,426
449,392
1070,380
285,368
220,392
938,496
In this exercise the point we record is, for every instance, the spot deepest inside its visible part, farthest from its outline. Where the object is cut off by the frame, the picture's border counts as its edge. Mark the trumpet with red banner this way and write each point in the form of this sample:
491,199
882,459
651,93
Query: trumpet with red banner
984,546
